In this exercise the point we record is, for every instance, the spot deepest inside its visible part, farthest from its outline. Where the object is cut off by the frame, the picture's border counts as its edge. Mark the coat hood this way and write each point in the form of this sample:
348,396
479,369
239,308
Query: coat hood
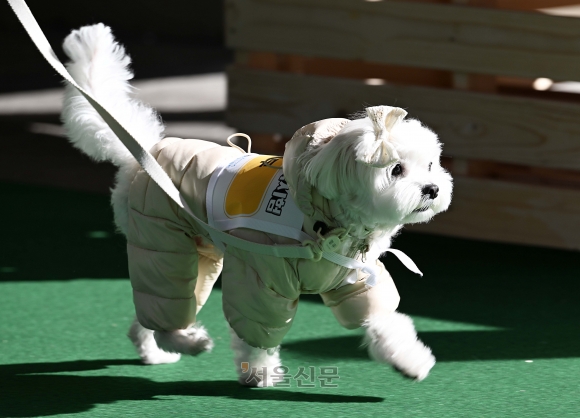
304,195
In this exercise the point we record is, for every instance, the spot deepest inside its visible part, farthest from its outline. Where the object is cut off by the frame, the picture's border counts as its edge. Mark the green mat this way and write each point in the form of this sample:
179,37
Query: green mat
501,319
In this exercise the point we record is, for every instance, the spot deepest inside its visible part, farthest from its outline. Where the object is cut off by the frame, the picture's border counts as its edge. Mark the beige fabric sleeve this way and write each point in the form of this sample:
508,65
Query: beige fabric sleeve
258,314
171,265
163,269
353,304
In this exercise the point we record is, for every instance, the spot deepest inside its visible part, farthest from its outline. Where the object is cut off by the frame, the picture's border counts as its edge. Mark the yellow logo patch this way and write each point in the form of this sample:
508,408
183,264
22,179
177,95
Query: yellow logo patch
247,189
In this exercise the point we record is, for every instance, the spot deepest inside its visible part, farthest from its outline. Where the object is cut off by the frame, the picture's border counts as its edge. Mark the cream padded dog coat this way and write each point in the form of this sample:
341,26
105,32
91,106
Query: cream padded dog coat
173,263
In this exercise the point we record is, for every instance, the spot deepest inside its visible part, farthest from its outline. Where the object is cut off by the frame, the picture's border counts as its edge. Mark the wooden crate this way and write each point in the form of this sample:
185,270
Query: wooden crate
467,72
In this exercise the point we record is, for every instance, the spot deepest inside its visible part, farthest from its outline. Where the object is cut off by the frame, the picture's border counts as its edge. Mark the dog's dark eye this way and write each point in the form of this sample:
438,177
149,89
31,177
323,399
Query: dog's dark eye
430,164
397,170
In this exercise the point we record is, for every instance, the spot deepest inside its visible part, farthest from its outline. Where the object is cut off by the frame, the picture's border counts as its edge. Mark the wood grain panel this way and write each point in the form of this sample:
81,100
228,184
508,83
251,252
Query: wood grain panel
439,36
471,125
357,69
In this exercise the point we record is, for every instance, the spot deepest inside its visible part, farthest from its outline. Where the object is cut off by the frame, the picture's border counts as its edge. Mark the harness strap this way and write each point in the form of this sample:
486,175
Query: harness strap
370,269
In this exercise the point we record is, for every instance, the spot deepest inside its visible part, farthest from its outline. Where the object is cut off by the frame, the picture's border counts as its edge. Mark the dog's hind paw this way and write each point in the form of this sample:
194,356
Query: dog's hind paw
191,341
142,339
160,357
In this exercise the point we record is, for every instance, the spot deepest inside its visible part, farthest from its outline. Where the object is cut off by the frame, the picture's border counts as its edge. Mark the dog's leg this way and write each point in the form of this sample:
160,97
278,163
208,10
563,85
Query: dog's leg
255,366
390,336
208,271
150,353
392,339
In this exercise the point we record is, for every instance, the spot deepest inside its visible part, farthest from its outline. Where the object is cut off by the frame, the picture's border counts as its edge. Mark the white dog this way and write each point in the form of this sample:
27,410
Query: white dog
354,184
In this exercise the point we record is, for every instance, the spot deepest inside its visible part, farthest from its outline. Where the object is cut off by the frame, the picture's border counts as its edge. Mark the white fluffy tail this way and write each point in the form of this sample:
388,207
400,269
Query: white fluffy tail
392,339
101,67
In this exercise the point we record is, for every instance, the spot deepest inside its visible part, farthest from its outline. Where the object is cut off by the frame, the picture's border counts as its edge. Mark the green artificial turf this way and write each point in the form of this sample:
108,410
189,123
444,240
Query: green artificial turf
501,319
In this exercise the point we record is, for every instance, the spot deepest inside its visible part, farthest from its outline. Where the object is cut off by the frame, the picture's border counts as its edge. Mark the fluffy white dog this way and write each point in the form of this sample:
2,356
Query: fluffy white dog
356,183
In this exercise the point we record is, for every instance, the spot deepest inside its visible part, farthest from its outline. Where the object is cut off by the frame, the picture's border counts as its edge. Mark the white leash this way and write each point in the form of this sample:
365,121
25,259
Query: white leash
156,173
142,155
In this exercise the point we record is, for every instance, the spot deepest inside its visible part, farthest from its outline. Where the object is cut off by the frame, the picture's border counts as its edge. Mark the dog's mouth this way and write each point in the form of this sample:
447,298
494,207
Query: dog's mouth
424,206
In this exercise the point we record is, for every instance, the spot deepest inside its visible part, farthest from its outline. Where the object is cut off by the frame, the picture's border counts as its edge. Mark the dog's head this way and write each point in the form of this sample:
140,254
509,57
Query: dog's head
382,170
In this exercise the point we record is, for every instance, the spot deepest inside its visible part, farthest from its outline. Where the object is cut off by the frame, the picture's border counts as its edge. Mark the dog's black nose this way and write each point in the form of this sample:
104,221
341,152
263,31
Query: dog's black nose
431,189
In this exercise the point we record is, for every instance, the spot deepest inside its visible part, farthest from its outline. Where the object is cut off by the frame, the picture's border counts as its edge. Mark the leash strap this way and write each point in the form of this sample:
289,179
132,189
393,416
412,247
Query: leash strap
156,173
143,156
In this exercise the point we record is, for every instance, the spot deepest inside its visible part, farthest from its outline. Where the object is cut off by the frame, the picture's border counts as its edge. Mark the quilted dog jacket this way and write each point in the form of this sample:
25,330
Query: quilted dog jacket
173,263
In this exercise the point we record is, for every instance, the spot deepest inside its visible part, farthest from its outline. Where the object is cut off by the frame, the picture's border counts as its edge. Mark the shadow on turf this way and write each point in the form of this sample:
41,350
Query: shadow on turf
30,390
56,234
555,342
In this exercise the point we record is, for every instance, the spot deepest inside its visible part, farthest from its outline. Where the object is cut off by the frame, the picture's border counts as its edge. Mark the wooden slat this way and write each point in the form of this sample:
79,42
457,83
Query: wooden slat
379,73
502,4
471,125
461,39
361,70
516,4
516,213
533,4
513,173
333,67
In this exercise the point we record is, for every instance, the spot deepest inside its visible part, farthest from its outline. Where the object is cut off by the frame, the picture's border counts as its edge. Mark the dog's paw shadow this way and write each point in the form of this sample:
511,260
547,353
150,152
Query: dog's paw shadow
451,346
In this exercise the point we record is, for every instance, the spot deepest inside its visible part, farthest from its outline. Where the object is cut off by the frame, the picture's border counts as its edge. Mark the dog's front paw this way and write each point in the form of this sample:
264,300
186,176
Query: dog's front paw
191,341
416,362
393,340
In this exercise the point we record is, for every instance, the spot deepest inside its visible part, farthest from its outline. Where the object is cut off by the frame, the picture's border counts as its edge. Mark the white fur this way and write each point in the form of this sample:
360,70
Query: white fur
369,198
392,339
101,67
264,363
191,341
332,168
144,342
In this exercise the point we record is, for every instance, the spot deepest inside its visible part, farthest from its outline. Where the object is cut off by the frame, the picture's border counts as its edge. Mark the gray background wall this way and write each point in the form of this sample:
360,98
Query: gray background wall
163,37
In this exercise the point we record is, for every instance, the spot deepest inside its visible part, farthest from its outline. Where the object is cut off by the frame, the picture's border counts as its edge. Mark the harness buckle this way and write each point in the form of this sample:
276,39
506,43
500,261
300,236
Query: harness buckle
331,243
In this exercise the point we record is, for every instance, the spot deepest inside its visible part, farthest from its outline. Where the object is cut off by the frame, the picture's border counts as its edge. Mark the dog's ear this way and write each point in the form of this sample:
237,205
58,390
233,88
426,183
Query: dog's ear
378,151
